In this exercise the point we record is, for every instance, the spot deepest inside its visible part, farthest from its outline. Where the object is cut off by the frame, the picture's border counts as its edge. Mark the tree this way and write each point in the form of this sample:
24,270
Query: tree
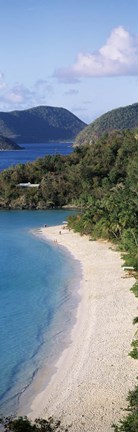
23,424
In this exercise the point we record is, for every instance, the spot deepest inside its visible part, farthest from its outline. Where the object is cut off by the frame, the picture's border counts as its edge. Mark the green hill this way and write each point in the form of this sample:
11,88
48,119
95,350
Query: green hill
117,119
8,144
40,124
90,171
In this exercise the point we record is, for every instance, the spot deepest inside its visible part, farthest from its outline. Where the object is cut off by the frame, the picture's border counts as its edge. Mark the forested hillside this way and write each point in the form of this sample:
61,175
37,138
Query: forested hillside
117,119
100,179
40,125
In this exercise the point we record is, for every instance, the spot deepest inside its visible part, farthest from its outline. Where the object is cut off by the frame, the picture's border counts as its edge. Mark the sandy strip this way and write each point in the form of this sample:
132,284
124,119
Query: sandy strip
95,372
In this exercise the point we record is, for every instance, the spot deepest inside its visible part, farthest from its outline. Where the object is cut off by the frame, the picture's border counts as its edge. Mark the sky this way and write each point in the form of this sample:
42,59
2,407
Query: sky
81,55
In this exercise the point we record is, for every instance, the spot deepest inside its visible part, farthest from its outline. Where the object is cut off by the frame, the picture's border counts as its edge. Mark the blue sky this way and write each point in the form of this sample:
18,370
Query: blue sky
78,54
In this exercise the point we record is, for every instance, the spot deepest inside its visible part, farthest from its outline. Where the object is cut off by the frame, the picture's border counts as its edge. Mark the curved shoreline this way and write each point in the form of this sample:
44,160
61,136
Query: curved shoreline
94,373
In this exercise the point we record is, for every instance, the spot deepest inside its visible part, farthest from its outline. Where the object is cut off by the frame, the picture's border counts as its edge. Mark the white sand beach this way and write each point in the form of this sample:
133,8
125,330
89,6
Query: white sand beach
94,373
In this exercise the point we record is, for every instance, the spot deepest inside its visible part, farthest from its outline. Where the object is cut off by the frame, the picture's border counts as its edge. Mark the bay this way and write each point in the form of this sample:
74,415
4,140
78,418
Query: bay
37,301
31,152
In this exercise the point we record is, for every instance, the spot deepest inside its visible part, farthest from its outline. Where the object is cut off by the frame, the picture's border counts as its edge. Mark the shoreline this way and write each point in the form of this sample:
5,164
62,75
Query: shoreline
94,373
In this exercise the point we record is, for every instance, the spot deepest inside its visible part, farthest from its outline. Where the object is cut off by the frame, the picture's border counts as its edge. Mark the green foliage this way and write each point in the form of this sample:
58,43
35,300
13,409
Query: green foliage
130,422
134,352
135,289
102,177
135,320
23,424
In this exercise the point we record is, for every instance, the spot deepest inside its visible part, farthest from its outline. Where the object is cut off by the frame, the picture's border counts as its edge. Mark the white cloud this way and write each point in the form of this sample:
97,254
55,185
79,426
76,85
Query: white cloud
19,96
16,96
118,57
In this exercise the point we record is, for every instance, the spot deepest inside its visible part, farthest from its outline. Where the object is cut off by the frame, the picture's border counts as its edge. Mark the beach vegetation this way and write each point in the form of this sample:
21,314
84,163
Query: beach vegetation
135,320
130,421
134,352
24,424
135,289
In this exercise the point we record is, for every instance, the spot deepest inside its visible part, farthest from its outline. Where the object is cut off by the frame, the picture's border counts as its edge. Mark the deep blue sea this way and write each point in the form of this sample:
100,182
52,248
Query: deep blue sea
30,152
37,300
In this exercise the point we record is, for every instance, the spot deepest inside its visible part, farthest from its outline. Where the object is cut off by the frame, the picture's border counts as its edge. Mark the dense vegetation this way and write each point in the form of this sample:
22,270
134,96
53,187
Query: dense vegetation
8,144
23,424
109,171
40,125
117,119
102,181
101,176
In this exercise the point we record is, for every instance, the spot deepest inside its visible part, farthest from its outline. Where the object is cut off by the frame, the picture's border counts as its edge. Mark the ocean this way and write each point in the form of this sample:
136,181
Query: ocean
30,152
37,301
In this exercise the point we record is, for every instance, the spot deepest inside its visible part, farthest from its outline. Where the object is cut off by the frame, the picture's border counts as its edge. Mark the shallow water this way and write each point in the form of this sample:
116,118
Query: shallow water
37,302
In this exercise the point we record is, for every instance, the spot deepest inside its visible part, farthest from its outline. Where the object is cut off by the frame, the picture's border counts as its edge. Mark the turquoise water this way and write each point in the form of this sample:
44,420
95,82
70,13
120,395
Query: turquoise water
37,304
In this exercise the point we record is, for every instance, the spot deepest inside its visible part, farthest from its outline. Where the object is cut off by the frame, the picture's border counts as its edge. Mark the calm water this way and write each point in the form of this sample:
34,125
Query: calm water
32,152
37,303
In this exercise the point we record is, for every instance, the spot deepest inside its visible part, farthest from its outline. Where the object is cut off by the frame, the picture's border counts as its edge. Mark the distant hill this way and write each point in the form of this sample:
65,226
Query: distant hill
8,144
117,119
40,124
